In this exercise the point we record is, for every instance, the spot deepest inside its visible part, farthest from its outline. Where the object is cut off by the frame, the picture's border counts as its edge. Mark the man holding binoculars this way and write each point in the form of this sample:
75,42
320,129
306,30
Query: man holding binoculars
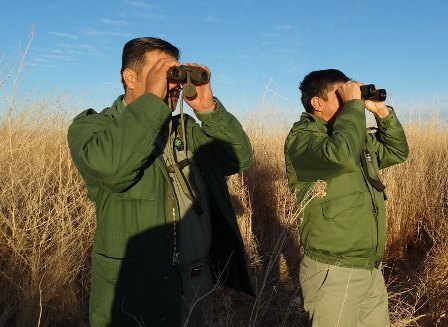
343,232
164,216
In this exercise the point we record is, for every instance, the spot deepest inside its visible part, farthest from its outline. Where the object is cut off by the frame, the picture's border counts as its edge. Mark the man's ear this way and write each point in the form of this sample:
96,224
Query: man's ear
316,102
129,78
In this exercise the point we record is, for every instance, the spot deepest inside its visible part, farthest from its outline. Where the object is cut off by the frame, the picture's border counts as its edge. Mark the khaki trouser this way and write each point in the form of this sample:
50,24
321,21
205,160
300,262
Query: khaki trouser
344,297
197,298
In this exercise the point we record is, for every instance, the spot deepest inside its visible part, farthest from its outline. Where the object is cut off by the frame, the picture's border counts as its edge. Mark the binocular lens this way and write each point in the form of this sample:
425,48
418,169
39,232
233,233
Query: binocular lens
204,76
176,73
381,94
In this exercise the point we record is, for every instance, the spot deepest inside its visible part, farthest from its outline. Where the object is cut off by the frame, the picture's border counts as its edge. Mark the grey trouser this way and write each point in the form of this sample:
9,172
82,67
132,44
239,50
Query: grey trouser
197,298
345,297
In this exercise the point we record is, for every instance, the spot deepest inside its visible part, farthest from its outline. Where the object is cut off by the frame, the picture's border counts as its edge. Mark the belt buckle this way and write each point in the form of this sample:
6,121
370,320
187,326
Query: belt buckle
195,272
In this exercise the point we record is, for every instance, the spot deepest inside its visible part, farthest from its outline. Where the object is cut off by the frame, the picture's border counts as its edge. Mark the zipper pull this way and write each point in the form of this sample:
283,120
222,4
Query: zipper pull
175,258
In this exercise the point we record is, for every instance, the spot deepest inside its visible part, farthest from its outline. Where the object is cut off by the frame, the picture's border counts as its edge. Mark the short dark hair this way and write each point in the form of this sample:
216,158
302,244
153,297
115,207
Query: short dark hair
134,53
319,83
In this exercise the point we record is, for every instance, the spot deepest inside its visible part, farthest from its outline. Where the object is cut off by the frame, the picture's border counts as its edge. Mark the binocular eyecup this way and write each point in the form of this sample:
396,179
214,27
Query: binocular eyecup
370,92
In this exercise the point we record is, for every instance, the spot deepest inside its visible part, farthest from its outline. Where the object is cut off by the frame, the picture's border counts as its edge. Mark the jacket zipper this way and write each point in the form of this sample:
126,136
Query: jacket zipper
174,213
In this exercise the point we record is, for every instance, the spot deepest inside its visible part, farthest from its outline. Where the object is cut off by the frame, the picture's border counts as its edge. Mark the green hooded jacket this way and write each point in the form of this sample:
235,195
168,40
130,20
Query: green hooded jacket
347,226
133,279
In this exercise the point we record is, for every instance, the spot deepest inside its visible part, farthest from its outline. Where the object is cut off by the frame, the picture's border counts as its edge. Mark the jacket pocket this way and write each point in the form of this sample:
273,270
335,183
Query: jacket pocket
336,206
344,227
138,191
114,283
109,269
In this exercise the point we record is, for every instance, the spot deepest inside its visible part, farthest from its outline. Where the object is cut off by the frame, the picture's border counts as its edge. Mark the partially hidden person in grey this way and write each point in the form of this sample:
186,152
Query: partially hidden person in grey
343,233
166,231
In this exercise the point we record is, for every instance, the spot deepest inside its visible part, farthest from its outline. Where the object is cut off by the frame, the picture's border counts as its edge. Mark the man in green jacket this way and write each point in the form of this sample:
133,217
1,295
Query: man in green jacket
343,233
166,231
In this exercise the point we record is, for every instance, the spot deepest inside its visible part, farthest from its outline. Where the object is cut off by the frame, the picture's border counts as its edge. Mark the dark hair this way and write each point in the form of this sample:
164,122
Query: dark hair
319,83
134,53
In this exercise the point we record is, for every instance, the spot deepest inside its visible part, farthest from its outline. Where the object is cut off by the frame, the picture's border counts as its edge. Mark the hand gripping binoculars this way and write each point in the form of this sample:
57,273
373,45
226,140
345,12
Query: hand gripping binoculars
369,92
190,76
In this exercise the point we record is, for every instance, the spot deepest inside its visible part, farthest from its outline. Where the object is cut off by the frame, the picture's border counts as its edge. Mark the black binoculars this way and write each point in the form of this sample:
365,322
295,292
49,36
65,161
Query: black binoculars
197,75
369,92
190,75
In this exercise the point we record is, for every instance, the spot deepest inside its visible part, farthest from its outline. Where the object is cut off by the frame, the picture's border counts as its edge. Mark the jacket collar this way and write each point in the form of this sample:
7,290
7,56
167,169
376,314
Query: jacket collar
322,124
306,116
118,105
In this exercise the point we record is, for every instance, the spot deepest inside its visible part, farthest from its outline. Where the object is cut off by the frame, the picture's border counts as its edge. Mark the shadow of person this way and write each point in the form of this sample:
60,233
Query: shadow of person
135,290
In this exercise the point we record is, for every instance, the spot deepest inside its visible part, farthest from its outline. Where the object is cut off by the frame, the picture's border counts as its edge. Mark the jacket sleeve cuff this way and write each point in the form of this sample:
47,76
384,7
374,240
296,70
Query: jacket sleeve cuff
384,123
215,114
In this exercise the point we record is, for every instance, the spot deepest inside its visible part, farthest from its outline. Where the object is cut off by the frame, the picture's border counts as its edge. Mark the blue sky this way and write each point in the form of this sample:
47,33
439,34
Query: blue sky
253,48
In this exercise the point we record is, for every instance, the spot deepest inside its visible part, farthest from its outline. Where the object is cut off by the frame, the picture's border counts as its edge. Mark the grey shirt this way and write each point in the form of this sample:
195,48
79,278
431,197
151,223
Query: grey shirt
194,227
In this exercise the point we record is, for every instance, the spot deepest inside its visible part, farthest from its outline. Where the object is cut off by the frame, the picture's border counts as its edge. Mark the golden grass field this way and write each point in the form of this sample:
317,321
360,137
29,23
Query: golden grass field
47,226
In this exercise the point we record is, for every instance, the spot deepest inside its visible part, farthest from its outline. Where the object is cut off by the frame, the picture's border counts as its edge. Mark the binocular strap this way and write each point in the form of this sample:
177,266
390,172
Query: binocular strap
370,172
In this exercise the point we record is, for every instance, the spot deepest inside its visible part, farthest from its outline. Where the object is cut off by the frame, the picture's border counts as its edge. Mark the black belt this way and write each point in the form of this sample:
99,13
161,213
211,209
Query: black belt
198,267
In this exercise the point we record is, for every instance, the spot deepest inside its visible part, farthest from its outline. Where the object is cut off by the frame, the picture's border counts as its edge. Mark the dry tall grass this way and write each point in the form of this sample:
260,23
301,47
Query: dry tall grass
418,226
46,229
47,223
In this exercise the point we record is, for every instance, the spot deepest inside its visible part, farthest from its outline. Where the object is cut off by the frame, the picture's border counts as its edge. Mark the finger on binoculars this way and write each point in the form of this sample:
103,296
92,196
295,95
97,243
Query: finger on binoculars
198,65
163,63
